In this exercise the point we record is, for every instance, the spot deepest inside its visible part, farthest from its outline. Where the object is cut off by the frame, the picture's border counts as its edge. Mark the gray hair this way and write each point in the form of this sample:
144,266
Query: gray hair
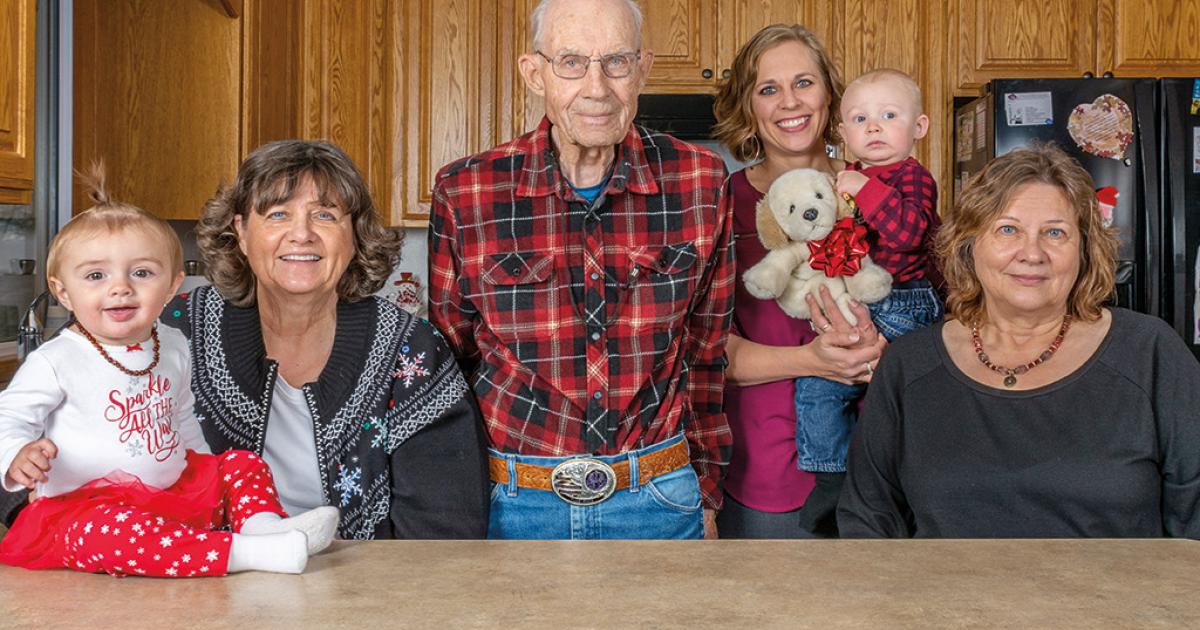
537,21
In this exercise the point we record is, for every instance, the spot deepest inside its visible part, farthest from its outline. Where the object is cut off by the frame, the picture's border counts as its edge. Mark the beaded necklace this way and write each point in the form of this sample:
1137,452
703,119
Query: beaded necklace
1010,374
114,362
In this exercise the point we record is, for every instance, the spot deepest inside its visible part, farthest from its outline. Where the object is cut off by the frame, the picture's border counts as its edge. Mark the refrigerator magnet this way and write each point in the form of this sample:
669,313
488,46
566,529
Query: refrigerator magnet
1024,109
1196,300
1196,149
1195,96
981,113
966,137
1103,127
1106,201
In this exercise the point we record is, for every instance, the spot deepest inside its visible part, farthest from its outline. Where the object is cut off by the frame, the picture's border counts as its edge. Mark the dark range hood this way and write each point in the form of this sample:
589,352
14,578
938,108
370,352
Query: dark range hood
685,116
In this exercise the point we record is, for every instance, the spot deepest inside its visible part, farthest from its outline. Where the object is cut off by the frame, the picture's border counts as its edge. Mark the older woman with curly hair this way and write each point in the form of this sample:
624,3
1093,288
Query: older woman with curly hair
353,402
1036,411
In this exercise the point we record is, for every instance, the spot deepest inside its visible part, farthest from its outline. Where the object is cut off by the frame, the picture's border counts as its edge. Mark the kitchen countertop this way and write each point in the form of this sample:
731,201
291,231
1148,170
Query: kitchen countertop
663,584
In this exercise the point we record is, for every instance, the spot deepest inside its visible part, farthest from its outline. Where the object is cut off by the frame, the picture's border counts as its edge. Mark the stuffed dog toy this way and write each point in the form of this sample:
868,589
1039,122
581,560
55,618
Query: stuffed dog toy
812,241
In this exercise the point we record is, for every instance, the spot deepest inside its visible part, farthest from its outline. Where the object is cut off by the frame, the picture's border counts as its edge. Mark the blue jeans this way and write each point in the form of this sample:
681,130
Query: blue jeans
827,410
667,506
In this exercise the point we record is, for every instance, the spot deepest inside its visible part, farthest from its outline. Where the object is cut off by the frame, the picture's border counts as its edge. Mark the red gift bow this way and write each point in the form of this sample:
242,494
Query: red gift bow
840,253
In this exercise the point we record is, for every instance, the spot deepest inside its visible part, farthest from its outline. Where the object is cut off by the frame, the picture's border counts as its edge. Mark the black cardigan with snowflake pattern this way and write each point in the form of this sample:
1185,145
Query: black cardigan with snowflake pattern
399,437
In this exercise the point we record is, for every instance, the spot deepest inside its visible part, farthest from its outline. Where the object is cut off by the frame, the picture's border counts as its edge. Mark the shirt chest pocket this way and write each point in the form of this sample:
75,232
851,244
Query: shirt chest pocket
662,281
520,298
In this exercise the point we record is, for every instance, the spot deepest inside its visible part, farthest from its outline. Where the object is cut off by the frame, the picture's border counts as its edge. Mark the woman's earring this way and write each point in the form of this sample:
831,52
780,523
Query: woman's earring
757,155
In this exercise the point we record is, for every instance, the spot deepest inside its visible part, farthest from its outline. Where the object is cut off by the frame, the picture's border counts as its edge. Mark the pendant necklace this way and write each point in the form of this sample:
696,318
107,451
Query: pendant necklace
1010,374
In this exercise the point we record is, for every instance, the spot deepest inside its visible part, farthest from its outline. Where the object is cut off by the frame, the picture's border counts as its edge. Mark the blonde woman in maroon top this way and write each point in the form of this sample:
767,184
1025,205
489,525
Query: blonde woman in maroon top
779,110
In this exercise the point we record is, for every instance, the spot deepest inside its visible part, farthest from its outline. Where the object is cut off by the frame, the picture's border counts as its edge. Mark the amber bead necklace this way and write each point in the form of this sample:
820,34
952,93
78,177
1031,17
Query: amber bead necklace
117,364
1011,374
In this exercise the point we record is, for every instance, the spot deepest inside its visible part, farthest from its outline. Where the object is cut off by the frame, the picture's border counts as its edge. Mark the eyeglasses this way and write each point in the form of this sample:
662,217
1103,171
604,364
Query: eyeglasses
614,66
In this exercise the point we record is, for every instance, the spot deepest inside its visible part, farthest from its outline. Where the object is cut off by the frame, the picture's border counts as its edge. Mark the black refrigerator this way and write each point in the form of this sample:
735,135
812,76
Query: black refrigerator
1112,127
1179,103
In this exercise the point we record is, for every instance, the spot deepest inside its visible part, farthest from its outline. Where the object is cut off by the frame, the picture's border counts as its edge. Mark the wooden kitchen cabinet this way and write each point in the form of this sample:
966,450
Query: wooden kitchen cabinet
455,91
906,35
740,19
695,41
1067,38
157,89
18,28
1026,38
1150,38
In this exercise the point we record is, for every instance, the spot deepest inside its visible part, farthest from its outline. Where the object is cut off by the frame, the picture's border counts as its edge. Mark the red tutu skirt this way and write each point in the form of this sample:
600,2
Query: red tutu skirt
36,539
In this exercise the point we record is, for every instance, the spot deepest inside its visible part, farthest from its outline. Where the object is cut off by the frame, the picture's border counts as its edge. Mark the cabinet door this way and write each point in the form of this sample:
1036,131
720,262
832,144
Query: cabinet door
346,79
1149,38
157,98
448,64
683,36
739,20
18,26
1022,38
906,35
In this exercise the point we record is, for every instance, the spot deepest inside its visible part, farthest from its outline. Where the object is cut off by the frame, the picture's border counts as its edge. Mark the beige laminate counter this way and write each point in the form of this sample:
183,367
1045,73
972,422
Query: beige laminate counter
692,584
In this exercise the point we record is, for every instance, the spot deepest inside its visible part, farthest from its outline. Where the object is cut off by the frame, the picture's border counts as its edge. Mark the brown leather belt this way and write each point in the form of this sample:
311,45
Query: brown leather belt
650,466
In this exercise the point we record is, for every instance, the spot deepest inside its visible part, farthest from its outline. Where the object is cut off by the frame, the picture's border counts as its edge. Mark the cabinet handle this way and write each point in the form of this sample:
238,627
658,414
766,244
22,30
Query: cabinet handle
1108,74
725,73
1089,75
707,73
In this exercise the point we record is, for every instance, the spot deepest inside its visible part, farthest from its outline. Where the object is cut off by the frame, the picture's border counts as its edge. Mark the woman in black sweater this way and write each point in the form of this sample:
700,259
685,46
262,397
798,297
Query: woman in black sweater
352,401
1035,411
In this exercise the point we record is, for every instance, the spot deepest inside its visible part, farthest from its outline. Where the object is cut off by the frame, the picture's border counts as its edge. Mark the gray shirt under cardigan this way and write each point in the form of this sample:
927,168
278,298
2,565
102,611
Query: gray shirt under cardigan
1111,450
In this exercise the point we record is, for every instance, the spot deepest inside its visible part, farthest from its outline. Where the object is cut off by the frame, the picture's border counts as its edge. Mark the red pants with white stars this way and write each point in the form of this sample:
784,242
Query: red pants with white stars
130,529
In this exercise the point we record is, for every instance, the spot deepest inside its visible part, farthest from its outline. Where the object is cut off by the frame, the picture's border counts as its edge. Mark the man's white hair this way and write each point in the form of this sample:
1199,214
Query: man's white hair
537,21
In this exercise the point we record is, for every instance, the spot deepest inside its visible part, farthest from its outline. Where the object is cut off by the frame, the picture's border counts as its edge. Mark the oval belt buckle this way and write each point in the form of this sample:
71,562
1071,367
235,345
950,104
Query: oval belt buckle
583,481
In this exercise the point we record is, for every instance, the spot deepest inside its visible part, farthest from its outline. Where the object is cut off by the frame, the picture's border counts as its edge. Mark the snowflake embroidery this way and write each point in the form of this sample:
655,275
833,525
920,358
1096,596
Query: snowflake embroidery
211,556
348,483
408,369
135,447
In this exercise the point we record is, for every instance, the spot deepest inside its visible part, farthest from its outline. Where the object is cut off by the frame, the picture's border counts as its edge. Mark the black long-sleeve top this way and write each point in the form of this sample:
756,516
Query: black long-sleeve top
1111,450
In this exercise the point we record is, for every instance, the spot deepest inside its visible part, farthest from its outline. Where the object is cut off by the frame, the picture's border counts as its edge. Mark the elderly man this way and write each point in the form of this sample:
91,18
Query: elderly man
583,274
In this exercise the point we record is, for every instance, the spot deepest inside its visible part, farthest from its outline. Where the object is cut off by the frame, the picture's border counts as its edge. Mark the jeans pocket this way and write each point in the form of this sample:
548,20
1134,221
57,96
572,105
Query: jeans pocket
678,491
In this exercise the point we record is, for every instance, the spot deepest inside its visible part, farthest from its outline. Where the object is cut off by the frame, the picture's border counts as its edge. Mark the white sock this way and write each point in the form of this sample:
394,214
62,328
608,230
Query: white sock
276,553
318,524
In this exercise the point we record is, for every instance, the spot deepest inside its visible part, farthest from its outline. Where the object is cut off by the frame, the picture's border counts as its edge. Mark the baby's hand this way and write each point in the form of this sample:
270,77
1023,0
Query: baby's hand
851,182
32,463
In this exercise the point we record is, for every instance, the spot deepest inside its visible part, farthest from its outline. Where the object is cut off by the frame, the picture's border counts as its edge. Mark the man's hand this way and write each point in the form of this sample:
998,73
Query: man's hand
851,182
710,524
32,463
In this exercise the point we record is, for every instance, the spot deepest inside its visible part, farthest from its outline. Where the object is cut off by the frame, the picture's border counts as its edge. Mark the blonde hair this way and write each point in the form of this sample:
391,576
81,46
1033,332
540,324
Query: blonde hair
987,194
883,74
108,217
736,127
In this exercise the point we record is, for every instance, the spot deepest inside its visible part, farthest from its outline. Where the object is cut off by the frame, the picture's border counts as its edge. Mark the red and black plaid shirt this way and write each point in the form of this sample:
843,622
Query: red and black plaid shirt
589,327
899,203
